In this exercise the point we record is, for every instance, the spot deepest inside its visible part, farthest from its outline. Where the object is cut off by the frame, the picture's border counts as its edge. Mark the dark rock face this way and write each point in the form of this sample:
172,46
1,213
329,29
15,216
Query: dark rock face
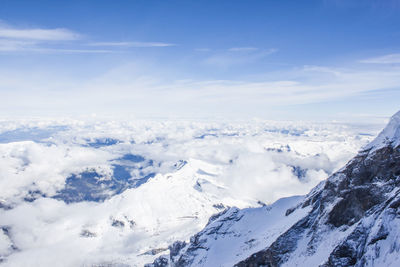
351,219
33,195
176,247
299,172
279,251
352,251
366,180
182,253
353,206
86,233
117,223
358,204
159,262
154,251
359,190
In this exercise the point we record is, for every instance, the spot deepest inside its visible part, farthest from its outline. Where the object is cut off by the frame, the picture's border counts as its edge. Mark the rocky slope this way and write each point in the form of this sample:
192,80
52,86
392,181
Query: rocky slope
351,219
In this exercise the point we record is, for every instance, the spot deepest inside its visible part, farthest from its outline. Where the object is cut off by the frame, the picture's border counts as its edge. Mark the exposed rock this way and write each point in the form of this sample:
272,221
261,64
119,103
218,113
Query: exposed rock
159,262
154,251
87,233
351,219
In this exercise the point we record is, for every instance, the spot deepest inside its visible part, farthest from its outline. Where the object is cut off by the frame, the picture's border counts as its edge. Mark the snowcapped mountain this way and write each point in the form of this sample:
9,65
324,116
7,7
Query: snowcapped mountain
120,193
351,219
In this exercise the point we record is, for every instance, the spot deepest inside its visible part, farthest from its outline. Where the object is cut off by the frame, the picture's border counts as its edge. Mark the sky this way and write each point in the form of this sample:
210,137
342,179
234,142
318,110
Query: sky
285,60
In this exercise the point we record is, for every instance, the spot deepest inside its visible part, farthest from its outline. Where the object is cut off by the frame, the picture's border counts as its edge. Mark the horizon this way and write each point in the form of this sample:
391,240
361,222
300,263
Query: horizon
315,61
199,133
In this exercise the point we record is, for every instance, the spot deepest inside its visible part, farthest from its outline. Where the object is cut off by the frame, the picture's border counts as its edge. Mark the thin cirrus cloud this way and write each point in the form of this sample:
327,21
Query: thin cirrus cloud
38,40
145,91
132,44
58,34
33,46
386,59
16,45
42,40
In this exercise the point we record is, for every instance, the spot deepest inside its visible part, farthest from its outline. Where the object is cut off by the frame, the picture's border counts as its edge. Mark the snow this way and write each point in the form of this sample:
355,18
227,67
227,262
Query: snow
384,252
326,242
238,234
389,135
256,229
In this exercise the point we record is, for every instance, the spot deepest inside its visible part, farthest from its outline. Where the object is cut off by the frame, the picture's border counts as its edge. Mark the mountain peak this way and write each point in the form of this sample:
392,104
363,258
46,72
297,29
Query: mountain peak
390,135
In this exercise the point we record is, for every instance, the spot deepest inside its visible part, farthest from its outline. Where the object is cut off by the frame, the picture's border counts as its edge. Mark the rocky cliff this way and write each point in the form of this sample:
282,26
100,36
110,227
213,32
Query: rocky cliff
351,219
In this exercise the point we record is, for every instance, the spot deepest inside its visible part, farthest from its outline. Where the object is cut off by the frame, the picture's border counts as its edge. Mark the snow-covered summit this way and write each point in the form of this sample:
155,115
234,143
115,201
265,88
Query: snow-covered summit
390,135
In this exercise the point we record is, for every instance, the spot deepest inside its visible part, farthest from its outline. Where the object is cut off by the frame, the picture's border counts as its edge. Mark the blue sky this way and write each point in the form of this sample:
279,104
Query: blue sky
312,60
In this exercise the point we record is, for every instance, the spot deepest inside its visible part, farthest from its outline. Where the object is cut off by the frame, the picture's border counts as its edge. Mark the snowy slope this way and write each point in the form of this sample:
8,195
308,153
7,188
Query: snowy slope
389,136
235,234
351,219
167,208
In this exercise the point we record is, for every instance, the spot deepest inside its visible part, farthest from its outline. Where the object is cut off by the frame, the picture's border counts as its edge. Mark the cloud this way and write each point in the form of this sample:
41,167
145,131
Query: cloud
15,45
223,162
38,40
132,44
34,46
142,90
42,40
58,34
387,59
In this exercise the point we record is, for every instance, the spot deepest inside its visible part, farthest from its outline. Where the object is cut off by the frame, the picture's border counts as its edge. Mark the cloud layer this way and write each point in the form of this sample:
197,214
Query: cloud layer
201,167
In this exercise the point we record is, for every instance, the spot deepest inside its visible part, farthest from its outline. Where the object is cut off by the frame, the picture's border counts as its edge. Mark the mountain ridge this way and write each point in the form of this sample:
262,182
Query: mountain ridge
351,219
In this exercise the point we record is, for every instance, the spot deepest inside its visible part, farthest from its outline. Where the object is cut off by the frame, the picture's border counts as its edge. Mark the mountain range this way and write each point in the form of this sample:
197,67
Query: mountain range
350,219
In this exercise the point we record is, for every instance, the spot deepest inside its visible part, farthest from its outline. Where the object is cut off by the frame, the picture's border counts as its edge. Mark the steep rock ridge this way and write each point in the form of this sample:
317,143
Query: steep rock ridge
234,234
389,136
351,219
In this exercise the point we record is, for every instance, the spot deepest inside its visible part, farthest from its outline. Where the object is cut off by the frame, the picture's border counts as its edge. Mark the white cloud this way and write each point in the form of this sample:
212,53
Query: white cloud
132,44
387,59
34,46
15,45
39,34
138,89
38,40
41,40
